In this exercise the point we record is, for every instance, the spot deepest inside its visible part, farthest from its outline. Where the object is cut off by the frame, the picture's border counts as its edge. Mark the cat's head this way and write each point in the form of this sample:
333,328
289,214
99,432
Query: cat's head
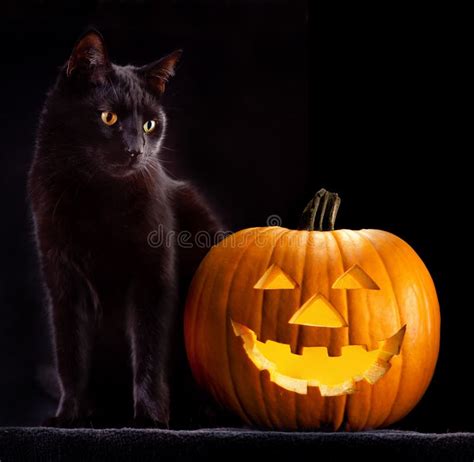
111,114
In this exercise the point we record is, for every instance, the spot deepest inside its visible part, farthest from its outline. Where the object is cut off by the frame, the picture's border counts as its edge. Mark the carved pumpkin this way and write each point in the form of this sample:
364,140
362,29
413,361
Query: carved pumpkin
313,329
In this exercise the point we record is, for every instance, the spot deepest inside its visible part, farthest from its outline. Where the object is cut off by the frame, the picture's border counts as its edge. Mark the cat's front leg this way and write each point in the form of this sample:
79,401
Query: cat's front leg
72,314
152,328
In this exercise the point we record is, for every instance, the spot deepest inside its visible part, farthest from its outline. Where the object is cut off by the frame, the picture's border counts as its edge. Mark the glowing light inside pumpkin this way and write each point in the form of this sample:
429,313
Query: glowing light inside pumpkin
275,278
334,375
318,312
355,278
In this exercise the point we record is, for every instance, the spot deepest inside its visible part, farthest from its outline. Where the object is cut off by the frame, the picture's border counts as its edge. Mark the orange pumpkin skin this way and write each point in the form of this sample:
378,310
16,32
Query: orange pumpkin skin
222,290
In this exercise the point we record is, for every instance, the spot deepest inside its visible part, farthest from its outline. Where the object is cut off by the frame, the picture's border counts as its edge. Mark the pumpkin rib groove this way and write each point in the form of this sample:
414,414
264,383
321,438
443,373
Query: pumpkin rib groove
421,274
328,406
407,253
287,262
206,313
229,362
333,234
284,233
402,363
298,336
367,329
402,369
210,277
434,316
382,259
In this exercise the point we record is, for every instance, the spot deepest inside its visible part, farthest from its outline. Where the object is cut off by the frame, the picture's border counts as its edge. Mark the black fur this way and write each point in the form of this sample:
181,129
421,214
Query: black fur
97,192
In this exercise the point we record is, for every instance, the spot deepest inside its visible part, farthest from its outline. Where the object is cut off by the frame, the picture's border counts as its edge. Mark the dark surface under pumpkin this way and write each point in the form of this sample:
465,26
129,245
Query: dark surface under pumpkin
20,444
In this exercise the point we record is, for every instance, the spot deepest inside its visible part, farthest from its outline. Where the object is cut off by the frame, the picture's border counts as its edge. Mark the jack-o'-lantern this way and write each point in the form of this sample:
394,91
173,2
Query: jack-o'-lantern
313,329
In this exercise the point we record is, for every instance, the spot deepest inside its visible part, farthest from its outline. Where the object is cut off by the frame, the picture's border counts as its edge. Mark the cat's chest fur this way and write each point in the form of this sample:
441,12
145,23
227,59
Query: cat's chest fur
106,228
119,213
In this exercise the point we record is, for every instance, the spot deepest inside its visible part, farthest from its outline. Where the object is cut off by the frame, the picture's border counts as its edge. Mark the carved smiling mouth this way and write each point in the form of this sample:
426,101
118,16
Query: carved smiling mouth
334,375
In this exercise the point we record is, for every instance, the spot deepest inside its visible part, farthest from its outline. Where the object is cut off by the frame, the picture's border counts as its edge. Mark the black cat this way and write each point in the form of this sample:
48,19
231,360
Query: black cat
97,191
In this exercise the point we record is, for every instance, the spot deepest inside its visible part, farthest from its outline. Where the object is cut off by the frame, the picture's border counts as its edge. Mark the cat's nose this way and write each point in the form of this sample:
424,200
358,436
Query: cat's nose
133,154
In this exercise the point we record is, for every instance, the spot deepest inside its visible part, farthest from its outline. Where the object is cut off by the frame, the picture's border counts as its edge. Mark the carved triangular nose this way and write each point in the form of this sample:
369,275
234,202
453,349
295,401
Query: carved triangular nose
319,312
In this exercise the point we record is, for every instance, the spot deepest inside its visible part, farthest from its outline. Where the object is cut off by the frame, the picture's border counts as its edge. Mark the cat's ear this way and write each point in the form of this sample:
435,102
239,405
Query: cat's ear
89,57
158,73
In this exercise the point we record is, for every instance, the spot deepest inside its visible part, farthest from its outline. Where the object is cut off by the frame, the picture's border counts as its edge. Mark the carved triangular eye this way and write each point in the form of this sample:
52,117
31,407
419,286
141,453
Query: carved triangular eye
275,278
319,312
355,278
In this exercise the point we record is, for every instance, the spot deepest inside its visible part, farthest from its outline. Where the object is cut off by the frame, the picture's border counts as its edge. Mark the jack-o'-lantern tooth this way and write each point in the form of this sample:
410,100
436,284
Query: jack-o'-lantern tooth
275,278
299,386
355,278
345,388
393,344
376,371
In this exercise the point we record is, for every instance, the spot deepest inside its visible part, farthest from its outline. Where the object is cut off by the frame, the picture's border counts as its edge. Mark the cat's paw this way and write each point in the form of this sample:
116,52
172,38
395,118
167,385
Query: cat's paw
154,413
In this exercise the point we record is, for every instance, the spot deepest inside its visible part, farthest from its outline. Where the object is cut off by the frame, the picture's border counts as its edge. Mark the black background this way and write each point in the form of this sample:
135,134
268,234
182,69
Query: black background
272,101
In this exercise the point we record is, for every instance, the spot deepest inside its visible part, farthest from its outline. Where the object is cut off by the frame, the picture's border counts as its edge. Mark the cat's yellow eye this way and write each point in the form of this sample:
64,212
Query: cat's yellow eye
109,118
149,126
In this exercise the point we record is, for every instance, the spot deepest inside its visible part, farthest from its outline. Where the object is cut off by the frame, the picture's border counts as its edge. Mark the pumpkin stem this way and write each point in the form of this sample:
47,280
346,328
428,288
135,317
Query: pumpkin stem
321,210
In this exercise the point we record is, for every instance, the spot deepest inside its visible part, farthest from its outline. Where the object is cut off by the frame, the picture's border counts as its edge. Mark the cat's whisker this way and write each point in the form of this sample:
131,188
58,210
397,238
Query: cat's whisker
163,161
159,167
168,149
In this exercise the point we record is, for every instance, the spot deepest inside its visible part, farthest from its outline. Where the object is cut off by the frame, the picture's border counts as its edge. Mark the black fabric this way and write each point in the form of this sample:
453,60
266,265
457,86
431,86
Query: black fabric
38,444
